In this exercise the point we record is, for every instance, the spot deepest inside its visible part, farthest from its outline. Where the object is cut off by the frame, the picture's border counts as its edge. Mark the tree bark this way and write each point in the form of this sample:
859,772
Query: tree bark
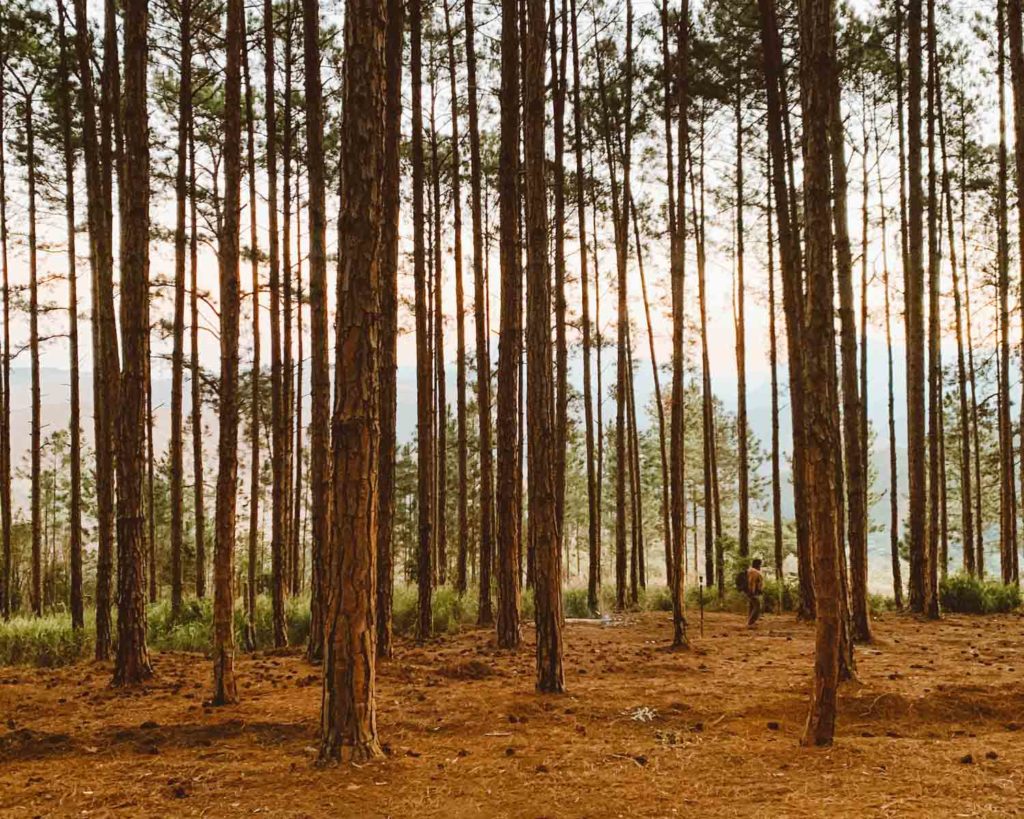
5,362
791,269
390,195
483,357
1016,40
254,432
319,433
424,365
35,445
543,502
509,539
279,431
853,445
349,723
132,664
817,20
75,501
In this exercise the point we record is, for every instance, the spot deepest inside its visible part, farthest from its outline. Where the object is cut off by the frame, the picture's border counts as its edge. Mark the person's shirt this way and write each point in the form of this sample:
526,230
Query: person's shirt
755,581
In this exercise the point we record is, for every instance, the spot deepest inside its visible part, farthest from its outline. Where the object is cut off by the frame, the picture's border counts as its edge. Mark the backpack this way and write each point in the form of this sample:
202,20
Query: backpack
741,581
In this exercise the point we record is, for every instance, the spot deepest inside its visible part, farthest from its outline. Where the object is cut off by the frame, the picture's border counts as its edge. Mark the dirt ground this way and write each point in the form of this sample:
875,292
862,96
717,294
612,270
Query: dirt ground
934,726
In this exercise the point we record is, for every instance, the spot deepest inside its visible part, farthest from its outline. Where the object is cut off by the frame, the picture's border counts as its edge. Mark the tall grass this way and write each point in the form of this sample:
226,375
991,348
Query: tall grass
970,595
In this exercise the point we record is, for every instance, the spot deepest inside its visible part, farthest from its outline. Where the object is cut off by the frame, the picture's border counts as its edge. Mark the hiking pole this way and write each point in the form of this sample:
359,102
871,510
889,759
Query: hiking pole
700,583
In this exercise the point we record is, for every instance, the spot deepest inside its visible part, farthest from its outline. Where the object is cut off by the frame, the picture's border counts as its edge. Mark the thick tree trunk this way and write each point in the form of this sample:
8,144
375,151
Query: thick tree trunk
390,195
319,432
348,721
224,688
424,365
543,502
816,74
132,663
509,540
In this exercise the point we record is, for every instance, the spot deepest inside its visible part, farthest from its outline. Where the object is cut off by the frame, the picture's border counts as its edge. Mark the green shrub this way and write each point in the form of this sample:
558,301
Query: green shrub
656,598
574,603
43,641
964,594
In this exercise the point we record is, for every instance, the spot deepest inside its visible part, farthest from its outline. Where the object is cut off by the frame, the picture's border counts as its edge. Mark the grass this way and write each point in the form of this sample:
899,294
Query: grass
50,641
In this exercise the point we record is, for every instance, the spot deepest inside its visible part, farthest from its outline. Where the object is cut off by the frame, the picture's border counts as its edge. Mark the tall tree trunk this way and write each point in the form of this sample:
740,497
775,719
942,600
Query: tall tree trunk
791,268
199,488
279,430
392,203
5,364
742,444
440,379
936,486
460,319
483,357
132,662
914,318
257,377
964,425
509,539
288,361
593,528
74,422
1016,39
224,689
677,225
178,332
297,536
424,365
894,500
558,68
817,71
662,438
542,501
104,383
319,431
853,445
773,358
35,445
348,720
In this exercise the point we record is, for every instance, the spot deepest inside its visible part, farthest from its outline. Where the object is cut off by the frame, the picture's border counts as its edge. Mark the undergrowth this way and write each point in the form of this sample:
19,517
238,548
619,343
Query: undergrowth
964,594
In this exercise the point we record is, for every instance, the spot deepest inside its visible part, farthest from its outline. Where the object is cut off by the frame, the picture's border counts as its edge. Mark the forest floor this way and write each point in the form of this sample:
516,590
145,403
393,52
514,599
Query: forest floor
933,726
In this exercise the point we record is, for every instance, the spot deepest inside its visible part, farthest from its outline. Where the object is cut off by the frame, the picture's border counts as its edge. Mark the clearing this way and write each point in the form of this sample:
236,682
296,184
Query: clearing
932,727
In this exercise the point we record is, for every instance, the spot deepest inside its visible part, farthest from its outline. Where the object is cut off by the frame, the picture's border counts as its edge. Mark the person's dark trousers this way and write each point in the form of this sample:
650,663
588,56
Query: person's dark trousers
753,609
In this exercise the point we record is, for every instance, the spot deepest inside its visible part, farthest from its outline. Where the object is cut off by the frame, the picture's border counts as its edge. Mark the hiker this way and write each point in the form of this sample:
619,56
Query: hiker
755,588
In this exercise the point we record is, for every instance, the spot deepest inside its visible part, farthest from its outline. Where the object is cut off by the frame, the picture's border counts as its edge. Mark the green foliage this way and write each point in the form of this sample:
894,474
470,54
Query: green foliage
964,594
43,641
449,611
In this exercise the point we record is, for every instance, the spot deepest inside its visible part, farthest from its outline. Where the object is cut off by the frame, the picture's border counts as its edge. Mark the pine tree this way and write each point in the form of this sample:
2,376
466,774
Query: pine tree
132,662
348,723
